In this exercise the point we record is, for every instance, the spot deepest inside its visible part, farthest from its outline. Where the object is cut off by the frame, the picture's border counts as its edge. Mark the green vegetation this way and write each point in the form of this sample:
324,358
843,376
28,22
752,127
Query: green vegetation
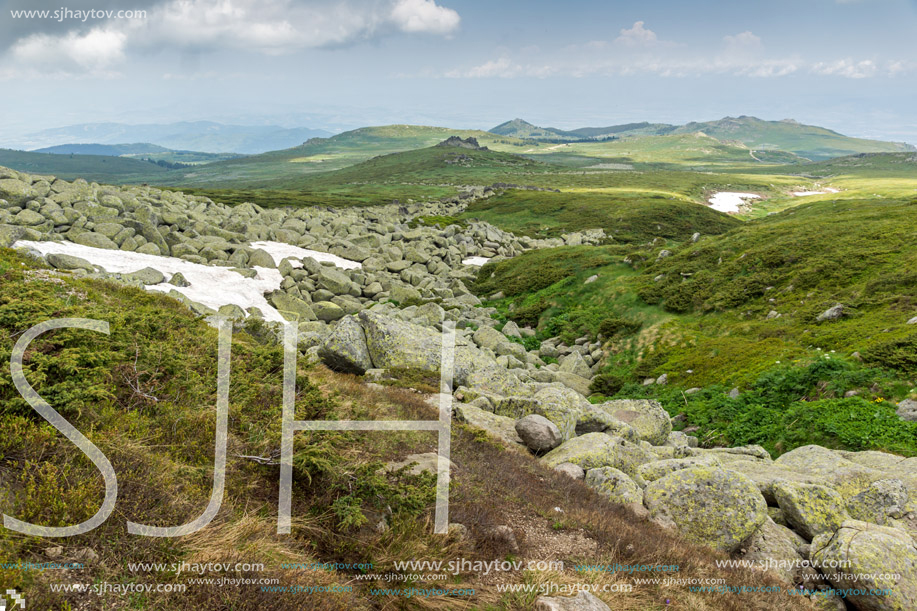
795,405
626,216
95,168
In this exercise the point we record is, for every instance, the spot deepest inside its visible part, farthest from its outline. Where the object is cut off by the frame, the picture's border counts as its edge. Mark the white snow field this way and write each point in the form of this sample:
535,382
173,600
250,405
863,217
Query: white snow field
210,285
726,201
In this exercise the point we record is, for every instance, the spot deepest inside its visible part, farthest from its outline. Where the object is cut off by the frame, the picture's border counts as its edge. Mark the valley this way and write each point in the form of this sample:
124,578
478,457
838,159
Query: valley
671,348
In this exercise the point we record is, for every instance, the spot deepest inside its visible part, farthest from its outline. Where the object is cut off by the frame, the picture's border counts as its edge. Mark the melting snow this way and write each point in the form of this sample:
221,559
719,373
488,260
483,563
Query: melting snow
726,201
210,285
479,261
280,251
825,191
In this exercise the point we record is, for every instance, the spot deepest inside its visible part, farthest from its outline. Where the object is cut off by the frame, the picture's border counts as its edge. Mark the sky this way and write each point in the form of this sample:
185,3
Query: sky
850,65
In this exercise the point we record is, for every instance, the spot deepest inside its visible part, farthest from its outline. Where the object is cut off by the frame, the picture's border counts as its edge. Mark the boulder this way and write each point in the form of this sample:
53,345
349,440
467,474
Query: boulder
576,382
708,505
907,410
501,427
571,470
290,307
28,218
574,363
488,337
614,484
884,499
178,279
647,417
95,240
775,546
334,280
345,348
328,311
650,472
538,433
811,509
261,258
832,313
15,191
873,558
594,450
147,276
59,261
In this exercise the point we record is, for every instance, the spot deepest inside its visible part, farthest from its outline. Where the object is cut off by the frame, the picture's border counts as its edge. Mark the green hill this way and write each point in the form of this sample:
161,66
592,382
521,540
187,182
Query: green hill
284,169
816,143
97,168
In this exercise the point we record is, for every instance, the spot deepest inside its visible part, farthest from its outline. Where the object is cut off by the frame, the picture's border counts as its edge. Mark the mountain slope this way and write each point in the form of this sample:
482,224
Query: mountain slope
96,168
811,142
205,136
816,143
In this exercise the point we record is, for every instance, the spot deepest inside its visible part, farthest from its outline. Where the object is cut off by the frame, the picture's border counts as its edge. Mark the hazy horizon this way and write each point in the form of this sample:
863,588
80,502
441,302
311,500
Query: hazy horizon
840,64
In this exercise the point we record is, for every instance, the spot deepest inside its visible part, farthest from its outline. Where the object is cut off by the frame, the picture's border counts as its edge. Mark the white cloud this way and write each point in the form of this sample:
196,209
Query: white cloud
637,36
848,68
424,16
94,51
743,43
264,26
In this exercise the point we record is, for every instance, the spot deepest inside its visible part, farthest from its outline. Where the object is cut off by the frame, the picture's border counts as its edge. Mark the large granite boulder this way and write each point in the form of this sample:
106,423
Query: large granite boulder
873,558
345,348
707,505
647,417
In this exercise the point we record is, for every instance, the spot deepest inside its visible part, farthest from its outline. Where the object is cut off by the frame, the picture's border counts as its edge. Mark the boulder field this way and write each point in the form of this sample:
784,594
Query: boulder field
379,308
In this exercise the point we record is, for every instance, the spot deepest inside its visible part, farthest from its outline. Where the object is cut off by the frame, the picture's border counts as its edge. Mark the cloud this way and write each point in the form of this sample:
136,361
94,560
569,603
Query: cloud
270,27
96,50
850,68
637,36
425,16
746,42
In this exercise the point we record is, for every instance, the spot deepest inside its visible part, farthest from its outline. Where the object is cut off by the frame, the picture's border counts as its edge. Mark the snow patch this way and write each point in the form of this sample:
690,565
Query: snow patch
210,285
825,191
280,251
478,261
726,201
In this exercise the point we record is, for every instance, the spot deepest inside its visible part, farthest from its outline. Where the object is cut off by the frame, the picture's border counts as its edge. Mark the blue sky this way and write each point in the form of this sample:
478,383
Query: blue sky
850,65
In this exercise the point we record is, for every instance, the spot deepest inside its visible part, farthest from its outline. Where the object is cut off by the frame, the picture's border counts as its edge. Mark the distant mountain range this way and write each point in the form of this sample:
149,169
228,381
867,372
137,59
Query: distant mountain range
202,136
811,142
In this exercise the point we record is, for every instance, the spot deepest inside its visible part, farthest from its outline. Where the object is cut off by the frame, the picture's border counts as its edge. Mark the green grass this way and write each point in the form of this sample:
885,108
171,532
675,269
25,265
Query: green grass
628,215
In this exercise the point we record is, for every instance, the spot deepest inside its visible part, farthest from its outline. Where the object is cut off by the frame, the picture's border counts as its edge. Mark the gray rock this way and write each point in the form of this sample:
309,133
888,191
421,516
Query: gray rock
871,556
884,499
647,417
907,410
832,313
178,279
810,508
707,505
328,311
511,329
538,433
574,363
147,276
776,546
59,261
260,258
95,240
232,311
912,321
573,381
571,470
28,218
345,349
502,427
290,307
614,484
